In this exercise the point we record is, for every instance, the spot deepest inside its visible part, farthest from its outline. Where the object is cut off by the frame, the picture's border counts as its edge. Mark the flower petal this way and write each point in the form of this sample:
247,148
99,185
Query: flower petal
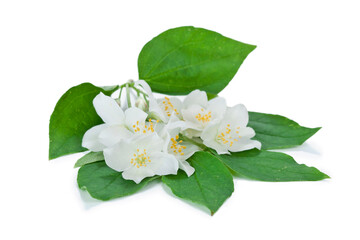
237,115
114,134
219,148
133,116
190,114
245,144
217,107
184,165
109,111
137,174
210,131
118,157
196,97
91,138
151,142
246,132
163,163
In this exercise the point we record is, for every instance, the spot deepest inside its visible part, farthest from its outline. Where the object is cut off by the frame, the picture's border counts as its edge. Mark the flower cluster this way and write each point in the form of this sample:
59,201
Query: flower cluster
157,136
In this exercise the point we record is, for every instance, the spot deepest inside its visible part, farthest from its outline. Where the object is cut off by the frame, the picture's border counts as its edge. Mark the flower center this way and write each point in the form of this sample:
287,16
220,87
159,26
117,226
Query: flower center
140,158
227,136
144,127
203,116
176,147
169,107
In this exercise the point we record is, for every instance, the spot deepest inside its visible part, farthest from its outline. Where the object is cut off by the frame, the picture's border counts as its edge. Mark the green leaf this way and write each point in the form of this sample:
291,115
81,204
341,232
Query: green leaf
104,183
270,166
73,115
182,59
210,185
211,96
90,158
276,132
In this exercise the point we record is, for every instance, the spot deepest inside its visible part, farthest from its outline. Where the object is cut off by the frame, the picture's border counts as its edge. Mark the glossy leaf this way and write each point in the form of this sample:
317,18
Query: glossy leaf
73,115
270,166
182,59
90,158
104,183
276,132
210,185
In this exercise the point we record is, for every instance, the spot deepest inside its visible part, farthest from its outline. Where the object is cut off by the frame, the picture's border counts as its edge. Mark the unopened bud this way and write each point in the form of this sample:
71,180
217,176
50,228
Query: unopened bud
141,103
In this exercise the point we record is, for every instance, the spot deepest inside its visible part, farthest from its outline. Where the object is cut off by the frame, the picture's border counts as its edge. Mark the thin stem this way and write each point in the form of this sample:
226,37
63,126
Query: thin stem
145,95
128,95
121,88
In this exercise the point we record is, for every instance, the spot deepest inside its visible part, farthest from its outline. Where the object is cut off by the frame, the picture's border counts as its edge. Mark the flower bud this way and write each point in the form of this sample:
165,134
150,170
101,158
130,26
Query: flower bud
141,103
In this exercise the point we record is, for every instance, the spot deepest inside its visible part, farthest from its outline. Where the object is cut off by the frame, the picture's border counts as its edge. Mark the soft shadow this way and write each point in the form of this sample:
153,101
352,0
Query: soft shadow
90,202
87,200
195,205
305,148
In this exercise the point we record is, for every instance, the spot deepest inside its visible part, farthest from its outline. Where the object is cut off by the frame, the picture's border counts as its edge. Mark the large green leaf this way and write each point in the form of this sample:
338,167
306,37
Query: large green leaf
210,185
276,132
104,183
182,59
270,166
73,115
89,158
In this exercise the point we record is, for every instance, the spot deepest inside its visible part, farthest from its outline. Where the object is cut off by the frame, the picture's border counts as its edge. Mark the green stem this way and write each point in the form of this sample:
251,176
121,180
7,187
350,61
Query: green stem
138,91
128,95
121,88
200,145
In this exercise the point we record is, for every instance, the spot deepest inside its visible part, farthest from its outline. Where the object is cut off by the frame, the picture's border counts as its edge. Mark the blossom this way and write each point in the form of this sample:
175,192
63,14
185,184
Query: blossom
182,150
231,132
198,112
139,157
117,124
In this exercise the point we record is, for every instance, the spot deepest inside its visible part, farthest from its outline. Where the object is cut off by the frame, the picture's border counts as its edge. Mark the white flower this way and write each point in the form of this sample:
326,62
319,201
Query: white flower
182,150
140,157
117,124
198,112
170,106
231,133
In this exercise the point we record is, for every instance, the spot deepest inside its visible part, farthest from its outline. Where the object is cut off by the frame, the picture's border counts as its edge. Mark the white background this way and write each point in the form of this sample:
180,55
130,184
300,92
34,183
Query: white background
306,67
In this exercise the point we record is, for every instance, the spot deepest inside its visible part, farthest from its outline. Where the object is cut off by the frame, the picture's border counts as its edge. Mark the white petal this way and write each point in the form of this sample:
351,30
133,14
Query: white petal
151,142
114,134
178,105
190,113
109,111
188,151
184,165
219,148
196,97
246,132
91,138
245,144
237,115
119,156
163,163
137,174
133,116
154,108
217,107
211,131
190,133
